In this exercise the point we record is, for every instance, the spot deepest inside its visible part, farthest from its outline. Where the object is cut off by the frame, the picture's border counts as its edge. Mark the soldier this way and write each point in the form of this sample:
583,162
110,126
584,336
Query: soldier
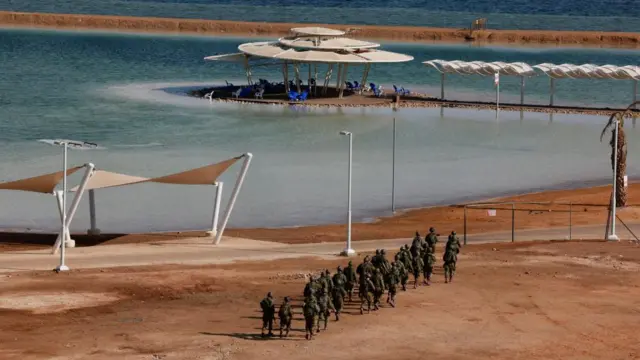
432,239
310,310
350,275
325,306
418,265
339,292
384,263
378,283
408,266
375,261
365,268
327,284
450,257
394,278
416,245
310,287
403,274
268,313
365,290
286,315
429,263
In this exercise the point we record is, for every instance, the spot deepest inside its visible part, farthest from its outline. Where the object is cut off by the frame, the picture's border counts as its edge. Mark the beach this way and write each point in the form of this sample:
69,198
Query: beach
268,29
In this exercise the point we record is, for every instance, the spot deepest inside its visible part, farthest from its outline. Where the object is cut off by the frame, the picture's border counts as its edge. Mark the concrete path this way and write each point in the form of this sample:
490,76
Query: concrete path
199,251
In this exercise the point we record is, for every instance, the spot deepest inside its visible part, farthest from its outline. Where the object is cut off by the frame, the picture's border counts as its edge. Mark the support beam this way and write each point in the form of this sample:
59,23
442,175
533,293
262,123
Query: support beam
635,94
296,69
216,209
441,86
339,79
552,89
92,214
247,69
521,90
74,206
285,72
345,68
315,80
234,195
327,79
309,83
365,76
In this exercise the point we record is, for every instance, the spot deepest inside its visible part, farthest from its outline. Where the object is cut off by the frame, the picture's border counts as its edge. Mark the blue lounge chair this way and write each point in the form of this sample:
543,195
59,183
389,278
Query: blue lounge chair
245,92
401,91
293,96
303,96
376,90
349,85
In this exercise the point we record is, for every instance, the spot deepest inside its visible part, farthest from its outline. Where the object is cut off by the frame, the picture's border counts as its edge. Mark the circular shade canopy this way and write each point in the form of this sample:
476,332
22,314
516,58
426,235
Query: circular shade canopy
317,31
329,44
275,50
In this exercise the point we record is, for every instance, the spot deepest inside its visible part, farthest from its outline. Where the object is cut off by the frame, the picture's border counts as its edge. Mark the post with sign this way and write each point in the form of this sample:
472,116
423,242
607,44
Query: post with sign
496,81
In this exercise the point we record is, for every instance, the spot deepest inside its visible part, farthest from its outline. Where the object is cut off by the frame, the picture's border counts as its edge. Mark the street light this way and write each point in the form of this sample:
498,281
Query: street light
348,251
66,144
613,236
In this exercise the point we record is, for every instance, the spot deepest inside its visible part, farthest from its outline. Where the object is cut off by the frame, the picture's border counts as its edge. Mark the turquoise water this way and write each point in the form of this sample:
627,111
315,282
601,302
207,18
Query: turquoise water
119,91
607,15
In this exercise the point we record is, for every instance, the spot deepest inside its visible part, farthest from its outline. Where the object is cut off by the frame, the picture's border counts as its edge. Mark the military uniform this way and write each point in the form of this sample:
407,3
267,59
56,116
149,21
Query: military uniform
268,313
418,265
450,257
310,310
378,283
339,292
393,280
429,262
325,305
403,274
365,290
416,245
432,239
350,274
286,315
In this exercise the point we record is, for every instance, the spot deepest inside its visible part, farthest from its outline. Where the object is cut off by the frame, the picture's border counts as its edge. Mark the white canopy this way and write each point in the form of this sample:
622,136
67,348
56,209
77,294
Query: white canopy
329,44
481,67
590,71
317,31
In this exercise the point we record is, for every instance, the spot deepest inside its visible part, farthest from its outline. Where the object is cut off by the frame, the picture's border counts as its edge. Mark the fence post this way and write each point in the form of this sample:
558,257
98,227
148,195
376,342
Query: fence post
465,224
513,222
570,222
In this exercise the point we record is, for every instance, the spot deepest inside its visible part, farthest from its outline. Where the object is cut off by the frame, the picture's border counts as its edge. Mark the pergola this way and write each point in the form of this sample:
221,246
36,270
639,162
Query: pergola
100,179
312,46
571,71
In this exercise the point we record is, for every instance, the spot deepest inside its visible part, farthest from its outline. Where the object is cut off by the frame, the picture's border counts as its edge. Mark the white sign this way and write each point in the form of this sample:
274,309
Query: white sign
491,212
496,79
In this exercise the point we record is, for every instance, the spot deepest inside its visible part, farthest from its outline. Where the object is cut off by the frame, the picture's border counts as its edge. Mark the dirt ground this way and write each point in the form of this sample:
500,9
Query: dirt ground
546,300
243,28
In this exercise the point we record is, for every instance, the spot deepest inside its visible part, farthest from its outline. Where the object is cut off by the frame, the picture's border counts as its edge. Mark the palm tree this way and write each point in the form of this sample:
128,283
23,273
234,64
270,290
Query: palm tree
621,161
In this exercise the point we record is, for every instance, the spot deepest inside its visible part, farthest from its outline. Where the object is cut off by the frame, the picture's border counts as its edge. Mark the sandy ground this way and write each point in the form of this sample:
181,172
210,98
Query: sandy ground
569,300
395,33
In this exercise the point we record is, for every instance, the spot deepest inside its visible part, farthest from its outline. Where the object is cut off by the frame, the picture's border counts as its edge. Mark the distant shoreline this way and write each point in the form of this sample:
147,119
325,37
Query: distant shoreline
264,29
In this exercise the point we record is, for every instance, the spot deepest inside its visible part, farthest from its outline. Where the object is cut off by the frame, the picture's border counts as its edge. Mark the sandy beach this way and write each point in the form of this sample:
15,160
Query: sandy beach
263,29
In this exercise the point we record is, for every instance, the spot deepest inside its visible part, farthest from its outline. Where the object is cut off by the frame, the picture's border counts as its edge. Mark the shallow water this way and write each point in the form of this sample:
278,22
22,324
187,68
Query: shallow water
111,89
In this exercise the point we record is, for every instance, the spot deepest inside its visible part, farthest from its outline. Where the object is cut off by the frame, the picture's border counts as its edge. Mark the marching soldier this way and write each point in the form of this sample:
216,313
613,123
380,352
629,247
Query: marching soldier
350,284
286,315
268,314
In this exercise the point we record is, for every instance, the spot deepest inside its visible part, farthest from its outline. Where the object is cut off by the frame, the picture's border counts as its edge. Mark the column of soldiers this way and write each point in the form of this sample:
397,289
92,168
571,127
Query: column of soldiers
374,276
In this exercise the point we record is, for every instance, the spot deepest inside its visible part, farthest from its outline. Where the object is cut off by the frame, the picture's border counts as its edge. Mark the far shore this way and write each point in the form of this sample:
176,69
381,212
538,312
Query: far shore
264,29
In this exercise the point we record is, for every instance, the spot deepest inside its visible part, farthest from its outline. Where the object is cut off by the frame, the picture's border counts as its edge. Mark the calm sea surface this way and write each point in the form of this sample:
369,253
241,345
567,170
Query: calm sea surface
124,92
613,15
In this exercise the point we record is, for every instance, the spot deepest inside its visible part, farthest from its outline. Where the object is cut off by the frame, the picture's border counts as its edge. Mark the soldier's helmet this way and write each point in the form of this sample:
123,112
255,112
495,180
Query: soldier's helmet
432,229
453,233
350,262
406,246
383,252
269,295
377,251
339,269
286,299
366,258
417,233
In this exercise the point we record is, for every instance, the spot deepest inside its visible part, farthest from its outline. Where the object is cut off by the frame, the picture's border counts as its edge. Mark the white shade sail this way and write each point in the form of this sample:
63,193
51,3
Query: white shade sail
329,44
317,31
590,71
481,67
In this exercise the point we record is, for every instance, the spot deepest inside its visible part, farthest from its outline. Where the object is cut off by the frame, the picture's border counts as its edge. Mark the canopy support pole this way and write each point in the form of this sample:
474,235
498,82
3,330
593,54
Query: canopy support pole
345,68
315,80
216,209
521,90
309,83
74,206
285,72
551,90
327,79
92,214
338,80
296,68
234,195
247,69
441,86
365,75
635,93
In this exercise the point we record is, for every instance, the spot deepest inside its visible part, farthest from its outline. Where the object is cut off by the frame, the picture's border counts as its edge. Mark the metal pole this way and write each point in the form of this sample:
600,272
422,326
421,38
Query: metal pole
465,225
393,170
63,246
92,213
216,209
497,95
234,195
570,222
513,222
613,236
441,86
349,250
635,93
551,90
522,90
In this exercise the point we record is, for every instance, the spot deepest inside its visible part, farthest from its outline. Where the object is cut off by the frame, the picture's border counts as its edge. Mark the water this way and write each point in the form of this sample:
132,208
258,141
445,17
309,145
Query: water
599,15
119,91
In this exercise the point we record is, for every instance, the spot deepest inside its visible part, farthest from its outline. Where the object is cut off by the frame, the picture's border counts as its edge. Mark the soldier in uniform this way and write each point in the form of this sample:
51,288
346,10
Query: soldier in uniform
310,287
450,257
325,306
408,265
418,265
339,292
365,290
432,239
378,283
416,245
394,279
268,313
350,274
310,310
286,315
327,283
403,274
429,263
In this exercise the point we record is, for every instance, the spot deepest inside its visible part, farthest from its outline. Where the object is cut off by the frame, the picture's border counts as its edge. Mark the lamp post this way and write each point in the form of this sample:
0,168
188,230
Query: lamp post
63,237
348,251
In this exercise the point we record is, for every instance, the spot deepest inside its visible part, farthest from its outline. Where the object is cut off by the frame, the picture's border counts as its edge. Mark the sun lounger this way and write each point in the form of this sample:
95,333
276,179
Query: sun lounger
377,90
293,96
401,91
303,96
237,93
260,93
